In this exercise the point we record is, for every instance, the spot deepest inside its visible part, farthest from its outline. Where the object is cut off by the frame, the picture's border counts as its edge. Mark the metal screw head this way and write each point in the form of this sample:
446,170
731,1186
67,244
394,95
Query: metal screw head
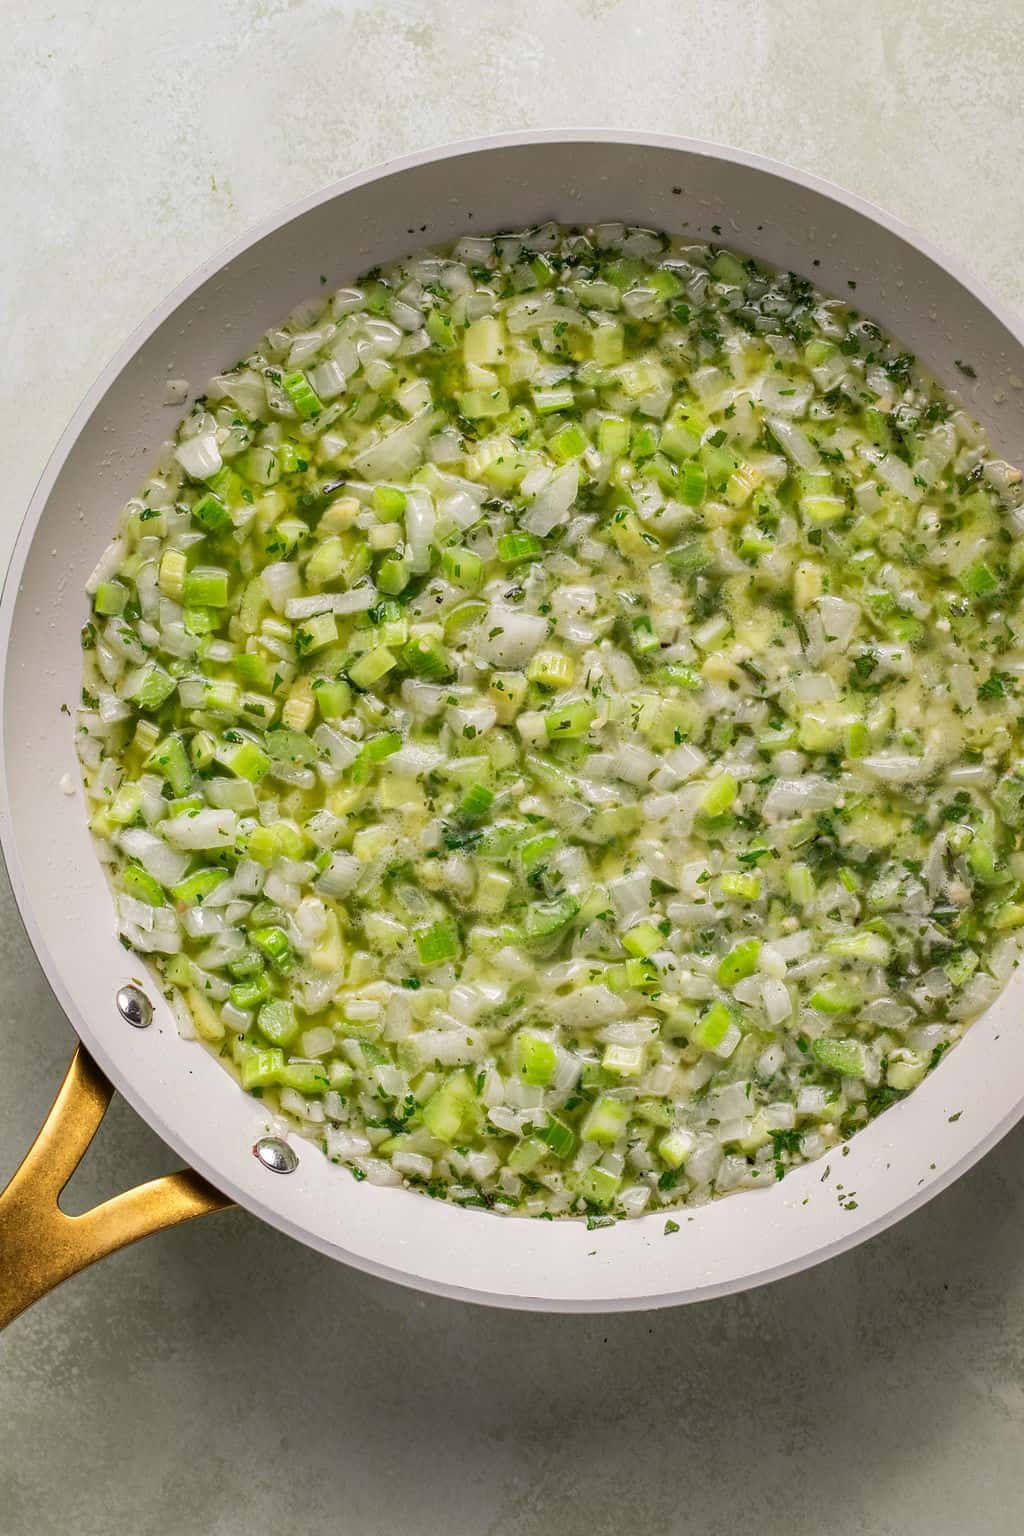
275,1154
134,1007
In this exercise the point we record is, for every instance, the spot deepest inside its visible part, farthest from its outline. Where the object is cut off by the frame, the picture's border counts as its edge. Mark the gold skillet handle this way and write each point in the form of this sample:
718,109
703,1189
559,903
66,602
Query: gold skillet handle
39,1245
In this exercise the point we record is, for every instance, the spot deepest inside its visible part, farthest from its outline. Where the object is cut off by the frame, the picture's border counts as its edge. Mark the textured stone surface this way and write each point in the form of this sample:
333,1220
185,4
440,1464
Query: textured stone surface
219,1379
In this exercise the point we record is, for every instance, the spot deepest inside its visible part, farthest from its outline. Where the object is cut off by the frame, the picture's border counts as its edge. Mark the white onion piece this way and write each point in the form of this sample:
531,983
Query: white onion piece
201,829
199,456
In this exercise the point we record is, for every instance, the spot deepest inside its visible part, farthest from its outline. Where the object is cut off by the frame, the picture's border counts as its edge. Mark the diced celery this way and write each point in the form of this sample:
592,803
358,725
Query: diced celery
534,1057
741,961
727,269
333,697
290,747
302,394
567,443
195,888
719,795
262,1069
605,1121
559,1137
109,598
506,691
426,656
462,566
206,587
211,512
846,1057
309,1077
519,546
142,886
613,436
606,343
389,502
478,403
278,1022
526,1154
642,940
552,669
394,574
462,617
316,633
835,997
436,944
170,759
979,580
539,848
624,1061
676,1147
445,1111
597,1185
800,884
157,686
173,566
440,330
372,666
544,918
566,721
273,942
864,945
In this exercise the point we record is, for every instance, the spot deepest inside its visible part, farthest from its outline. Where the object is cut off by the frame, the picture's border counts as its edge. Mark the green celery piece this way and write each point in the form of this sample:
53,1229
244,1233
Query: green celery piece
274,944
445,1112
157,687
544,918
741,961
539,848
436,944
289,746
206,586
247,760
441,331
211,512
642,940
597,1185
302,394
278,1022
518,546
388,502
109,598
427,657
534,1057
526,1154
835,997
979,580
262,1069
170,759
719,795
558,1136
606,1121
711,1030
463,567
251,992
142,886
843,1056
309,1077
195,888
567,721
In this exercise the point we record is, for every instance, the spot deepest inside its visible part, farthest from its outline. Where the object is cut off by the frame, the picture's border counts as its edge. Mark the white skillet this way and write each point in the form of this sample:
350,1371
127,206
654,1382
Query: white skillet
898,1162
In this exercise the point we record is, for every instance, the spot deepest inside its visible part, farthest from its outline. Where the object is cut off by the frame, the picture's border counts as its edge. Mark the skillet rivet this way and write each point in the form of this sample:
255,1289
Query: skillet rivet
275,1154
134,1007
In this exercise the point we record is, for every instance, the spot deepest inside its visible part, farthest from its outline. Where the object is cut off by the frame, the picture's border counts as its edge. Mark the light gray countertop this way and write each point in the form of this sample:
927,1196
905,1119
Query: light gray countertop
219,1379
